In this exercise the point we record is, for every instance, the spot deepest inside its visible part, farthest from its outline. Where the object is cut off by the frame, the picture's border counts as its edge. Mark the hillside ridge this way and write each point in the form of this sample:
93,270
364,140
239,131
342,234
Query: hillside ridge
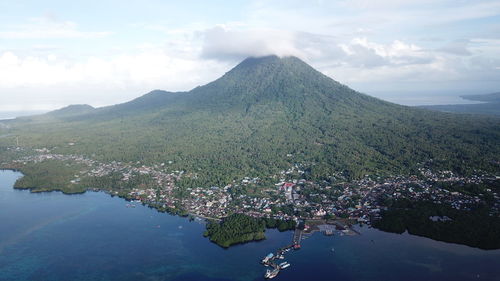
265,115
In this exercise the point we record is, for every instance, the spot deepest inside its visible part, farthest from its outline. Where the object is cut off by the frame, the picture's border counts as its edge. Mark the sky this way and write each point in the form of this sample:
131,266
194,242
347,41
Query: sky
57,52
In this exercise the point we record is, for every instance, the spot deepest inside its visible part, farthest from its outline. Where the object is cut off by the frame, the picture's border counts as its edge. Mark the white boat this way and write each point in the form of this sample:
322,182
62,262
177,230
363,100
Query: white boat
284,265
271,274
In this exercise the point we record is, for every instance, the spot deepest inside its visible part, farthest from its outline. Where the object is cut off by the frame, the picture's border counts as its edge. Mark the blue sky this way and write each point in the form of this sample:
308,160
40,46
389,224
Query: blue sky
55,53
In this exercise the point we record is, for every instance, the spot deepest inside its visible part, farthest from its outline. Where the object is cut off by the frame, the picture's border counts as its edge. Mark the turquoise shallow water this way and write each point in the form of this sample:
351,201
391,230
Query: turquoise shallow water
93,236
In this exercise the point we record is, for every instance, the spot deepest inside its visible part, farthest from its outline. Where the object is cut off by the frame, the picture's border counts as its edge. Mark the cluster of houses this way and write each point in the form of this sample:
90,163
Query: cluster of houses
359,200
363,200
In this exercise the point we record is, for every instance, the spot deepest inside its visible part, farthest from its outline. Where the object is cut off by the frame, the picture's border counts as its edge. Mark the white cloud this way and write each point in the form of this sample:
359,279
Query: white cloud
457,47
56,82
48,28
146,68
355,42
227,43
153,66
423,12
363,53
222,42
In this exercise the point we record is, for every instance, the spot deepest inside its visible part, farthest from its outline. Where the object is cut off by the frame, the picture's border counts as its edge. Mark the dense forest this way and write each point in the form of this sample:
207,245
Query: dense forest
240,228
260,118
49,176
474,228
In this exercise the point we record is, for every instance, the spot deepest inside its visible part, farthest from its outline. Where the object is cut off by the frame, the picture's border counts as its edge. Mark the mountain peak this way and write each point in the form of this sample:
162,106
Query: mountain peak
247,122
72,109
271,60
272,66
259,60
271,79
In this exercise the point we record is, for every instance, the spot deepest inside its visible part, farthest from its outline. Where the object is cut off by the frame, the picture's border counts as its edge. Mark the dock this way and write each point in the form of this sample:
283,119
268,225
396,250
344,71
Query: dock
270,259
297,236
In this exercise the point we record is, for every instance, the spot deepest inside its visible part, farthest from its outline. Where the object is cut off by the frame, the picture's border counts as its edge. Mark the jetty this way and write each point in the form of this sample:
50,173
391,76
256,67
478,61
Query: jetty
297,236
270,259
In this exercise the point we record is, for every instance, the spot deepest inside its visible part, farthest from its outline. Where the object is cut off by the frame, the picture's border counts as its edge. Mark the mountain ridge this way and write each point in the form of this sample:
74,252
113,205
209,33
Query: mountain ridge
246,123
259,65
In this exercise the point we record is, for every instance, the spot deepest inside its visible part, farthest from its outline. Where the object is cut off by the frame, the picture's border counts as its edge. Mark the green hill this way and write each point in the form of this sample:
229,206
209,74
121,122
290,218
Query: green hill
64,113
263,116
71,110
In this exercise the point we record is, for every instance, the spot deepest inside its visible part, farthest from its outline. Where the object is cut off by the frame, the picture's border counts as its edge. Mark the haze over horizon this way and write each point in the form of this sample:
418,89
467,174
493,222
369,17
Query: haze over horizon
57,53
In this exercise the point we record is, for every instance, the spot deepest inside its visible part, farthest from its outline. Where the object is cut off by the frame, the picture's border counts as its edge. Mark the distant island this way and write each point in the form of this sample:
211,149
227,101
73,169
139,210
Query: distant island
490,104
272,143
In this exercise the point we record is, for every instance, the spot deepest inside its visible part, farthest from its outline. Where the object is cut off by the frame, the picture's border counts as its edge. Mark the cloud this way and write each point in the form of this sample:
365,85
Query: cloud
182,64
469,10
433,11
55,82
358,42
149,67
223,43
227,43
48,27
457,47
363,53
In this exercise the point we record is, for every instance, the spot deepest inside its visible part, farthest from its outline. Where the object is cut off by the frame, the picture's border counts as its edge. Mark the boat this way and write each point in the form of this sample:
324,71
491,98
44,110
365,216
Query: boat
271,273
284,265
267,258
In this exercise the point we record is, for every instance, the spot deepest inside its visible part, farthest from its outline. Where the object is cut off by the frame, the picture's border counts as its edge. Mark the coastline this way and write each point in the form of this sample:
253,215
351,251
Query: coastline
159,209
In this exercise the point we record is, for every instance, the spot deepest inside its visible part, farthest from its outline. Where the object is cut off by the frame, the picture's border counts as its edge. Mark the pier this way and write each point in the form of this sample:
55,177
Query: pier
307,229
270,259
297,236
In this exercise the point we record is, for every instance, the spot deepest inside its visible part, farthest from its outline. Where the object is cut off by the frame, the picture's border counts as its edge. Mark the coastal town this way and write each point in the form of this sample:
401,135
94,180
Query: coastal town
291,197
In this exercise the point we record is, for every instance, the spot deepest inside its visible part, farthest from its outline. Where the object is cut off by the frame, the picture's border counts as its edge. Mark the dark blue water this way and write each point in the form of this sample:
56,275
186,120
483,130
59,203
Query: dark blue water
51,236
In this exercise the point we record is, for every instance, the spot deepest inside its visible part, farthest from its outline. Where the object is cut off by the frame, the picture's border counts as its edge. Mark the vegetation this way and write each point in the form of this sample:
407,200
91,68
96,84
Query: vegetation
240,228
49,176
473,228
235,229
260,118
281,225
473,189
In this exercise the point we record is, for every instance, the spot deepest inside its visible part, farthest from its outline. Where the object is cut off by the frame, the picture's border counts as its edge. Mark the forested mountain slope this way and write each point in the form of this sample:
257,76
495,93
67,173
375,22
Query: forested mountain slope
263,116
